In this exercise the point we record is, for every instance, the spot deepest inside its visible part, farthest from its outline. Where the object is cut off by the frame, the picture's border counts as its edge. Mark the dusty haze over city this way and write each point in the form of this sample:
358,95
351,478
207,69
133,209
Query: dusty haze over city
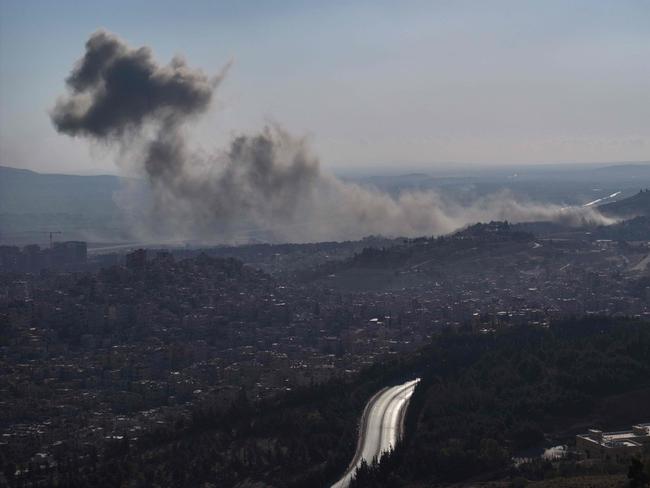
243,128
339,244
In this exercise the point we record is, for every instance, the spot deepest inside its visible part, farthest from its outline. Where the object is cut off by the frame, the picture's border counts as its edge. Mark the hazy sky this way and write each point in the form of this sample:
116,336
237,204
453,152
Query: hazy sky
374,85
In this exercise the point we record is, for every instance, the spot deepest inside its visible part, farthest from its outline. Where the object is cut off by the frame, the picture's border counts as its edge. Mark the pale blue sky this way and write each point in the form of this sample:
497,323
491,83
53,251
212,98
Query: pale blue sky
374,85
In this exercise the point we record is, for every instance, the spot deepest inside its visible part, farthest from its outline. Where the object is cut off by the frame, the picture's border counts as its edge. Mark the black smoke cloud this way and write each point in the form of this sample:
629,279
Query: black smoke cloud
115,89
266,185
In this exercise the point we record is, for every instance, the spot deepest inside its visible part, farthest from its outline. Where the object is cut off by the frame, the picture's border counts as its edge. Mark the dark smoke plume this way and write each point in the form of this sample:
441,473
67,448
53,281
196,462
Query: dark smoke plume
265,185
115,89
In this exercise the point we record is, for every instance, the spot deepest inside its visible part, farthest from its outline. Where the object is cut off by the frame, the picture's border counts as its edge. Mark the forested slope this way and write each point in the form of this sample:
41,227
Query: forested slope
484,398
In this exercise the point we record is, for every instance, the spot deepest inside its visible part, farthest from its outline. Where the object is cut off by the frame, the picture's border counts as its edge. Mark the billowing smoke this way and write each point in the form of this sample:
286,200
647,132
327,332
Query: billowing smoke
266,185
115,90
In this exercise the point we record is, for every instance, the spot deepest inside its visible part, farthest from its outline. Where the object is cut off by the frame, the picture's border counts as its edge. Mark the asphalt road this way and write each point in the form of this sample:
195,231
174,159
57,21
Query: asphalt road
382,424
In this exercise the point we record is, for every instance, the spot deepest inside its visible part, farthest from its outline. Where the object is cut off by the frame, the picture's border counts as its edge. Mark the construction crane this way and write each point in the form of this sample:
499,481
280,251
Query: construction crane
52,233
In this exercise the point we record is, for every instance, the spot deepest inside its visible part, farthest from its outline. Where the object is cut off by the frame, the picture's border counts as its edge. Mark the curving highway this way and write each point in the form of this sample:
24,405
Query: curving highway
382,423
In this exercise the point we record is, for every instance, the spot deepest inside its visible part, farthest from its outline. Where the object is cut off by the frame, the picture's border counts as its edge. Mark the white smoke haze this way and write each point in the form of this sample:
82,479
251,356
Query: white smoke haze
267,186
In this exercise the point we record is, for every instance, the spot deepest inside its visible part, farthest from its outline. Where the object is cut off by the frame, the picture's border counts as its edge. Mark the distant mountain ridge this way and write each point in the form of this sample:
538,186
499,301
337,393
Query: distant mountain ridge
637,166
26,191
87,207
33,203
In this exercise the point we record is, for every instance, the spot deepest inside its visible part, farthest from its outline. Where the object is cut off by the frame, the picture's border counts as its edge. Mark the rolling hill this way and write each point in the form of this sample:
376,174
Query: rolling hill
635,206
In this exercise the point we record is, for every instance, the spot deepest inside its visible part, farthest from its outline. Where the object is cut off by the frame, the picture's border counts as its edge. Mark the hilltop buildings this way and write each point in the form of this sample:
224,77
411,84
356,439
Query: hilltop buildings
614,445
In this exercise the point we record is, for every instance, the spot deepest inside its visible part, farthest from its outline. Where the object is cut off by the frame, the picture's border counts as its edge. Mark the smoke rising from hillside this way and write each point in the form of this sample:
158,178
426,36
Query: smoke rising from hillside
267,185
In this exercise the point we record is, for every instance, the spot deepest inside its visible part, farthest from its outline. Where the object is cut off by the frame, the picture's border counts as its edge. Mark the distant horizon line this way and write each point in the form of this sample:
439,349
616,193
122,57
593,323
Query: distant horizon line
385,170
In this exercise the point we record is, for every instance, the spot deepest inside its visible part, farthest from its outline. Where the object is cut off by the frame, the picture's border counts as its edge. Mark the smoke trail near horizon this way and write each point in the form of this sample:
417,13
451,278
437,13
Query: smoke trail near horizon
268,183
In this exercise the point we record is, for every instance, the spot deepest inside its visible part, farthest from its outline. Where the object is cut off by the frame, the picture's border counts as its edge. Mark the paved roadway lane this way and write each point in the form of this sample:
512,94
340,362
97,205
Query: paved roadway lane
381,426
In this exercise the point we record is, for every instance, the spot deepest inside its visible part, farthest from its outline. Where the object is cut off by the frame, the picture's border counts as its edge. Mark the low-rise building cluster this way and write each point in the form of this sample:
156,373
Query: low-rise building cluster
89,360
